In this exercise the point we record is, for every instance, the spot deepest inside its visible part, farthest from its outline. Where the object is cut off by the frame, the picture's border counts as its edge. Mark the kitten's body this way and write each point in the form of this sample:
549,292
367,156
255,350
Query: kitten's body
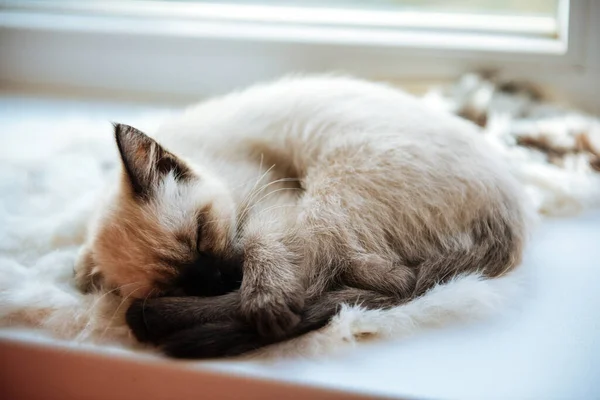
334,190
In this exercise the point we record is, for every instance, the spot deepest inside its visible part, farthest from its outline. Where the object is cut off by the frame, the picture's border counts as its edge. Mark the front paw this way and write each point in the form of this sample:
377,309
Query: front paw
146,321
274,313
212,340
151,320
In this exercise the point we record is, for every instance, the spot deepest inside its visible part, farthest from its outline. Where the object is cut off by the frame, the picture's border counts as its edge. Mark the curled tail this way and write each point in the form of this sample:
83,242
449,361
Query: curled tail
208,327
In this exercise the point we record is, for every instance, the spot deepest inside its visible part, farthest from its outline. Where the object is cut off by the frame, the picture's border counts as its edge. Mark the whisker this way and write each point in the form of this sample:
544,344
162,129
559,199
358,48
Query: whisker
144,308
94,305
248,207
260,176
108,325
252,193
269,194
257,203
278,206
245,183
266,185
258,180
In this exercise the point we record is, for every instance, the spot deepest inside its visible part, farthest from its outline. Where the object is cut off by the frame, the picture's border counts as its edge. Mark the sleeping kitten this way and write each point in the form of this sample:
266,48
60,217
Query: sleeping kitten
320,190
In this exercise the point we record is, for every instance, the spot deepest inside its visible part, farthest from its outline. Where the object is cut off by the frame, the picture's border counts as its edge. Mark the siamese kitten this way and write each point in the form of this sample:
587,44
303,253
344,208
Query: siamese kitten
319,191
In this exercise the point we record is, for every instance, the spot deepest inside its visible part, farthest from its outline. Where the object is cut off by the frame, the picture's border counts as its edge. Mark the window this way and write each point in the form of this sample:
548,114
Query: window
425,23
198,47
531,17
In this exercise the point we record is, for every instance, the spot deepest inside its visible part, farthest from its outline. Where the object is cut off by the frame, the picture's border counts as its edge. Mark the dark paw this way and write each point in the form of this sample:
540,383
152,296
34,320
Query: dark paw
153,319
145,321
212,340
162,323
273,316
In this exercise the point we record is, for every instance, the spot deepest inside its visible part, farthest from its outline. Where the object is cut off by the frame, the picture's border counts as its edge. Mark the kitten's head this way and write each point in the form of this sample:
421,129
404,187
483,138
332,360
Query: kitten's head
169,229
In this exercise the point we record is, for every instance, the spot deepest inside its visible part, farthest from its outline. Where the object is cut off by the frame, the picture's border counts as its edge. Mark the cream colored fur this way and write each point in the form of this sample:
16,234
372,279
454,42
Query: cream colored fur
388,198
67,314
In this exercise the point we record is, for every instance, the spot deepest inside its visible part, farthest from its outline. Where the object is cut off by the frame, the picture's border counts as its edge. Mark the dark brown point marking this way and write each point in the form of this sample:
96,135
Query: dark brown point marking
145,161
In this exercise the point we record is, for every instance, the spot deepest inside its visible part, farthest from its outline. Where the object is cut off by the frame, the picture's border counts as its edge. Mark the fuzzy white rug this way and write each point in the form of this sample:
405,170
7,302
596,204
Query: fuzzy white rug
51,172
553,151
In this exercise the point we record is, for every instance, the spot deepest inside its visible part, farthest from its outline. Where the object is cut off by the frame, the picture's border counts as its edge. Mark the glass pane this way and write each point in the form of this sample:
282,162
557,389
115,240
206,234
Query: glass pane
519,7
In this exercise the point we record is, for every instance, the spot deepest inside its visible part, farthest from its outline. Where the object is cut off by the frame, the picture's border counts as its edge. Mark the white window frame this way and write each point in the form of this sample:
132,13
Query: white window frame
183,51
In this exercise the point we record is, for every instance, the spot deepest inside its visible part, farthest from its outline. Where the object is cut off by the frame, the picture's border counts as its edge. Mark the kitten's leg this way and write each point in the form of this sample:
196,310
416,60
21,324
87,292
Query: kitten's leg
375,273
272,292
150,320
226,338
292,252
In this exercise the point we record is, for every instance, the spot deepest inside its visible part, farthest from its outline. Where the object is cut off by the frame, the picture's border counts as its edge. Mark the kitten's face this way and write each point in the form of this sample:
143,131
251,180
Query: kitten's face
169,230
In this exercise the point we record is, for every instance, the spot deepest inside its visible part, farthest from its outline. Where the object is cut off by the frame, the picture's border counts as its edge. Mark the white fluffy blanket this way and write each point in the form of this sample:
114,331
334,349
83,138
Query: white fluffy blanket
51,172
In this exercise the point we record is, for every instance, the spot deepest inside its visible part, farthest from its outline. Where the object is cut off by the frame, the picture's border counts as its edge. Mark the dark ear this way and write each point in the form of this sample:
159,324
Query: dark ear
145,161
